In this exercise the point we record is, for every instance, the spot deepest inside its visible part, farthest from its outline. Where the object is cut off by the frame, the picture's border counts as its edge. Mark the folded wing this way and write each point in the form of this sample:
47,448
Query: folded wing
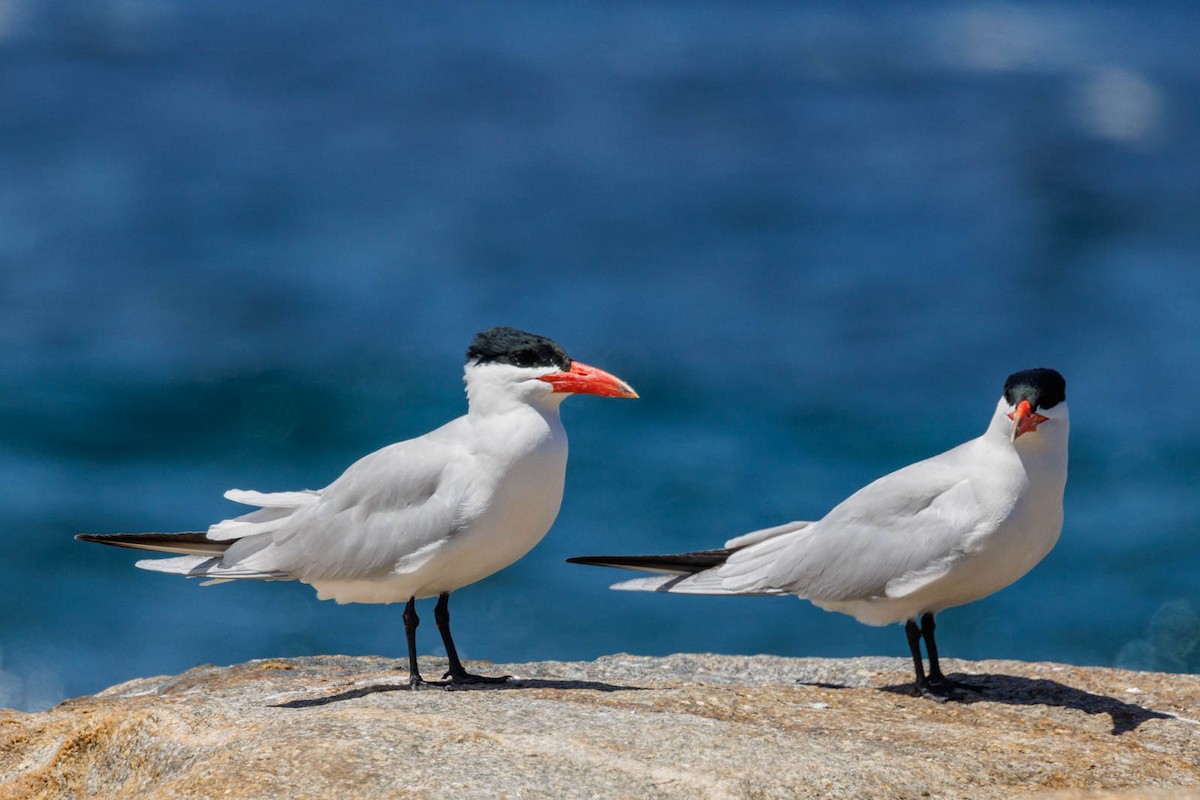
389,512
888,539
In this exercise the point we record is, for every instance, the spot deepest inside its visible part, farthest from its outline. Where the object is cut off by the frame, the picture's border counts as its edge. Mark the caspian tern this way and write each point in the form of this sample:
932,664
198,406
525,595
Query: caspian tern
939,533
418,518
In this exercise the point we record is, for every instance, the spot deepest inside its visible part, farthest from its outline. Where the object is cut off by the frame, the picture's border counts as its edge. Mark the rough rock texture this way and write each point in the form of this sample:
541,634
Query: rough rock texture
686,726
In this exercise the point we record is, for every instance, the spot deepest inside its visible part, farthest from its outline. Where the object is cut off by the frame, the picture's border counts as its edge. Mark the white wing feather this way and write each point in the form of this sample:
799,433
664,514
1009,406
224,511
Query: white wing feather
756,537
250,497
706,582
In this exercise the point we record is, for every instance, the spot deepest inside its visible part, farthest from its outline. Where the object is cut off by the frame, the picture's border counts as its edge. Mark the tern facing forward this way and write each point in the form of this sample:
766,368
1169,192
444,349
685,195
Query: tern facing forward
418,518
939,533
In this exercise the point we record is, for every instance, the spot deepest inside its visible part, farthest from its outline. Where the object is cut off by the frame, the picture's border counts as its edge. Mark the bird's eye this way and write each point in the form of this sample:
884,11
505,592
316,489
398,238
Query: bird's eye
524,358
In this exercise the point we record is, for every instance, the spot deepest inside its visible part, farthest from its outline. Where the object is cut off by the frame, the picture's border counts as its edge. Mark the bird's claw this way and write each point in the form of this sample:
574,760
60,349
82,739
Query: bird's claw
417,683
938,694
941,689
465,678
942,681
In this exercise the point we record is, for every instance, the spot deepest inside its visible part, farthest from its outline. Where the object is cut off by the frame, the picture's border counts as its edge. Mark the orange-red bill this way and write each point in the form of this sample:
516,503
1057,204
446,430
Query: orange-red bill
1025,419
582,379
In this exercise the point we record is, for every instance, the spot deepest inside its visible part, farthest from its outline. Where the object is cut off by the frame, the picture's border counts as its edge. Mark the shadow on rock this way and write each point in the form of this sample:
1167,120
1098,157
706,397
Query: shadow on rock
1014,690
527,683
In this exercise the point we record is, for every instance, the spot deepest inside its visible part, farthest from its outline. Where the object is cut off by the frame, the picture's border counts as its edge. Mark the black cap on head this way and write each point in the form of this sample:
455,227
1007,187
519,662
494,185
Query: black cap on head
1043,388
505,345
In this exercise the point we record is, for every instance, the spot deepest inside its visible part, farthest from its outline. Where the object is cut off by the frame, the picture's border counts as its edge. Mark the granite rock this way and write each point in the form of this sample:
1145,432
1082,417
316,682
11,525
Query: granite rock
685,726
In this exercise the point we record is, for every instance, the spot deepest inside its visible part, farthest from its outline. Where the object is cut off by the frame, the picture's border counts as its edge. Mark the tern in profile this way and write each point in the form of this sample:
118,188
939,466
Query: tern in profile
419,518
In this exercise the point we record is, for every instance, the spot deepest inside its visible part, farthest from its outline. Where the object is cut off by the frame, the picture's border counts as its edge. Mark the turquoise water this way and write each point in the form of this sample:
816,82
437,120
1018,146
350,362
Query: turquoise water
242,249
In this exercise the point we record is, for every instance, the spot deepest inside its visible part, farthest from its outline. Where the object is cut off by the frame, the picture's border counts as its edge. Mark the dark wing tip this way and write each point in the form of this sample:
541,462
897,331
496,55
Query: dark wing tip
677,562
188,542
118,538
102,538
590,560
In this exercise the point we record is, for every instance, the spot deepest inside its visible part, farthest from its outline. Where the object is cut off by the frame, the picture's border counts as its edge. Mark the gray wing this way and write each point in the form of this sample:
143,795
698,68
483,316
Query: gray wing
887,539
389,512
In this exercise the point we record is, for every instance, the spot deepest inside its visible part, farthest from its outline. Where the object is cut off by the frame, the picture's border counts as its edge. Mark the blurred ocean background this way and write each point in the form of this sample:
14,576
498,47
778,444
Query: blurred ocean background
243,244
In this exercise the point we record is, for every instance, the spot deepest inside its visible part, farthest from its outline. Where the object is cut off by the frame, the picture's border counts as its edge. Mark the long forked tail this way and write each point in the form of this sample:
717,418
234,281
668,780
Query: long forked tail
679,573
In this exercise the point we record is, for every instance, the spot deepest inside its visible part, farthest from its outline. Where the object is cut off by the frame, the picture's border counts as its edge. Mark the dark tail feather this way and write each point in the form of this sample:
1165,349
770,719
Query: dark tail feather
679,563
192,543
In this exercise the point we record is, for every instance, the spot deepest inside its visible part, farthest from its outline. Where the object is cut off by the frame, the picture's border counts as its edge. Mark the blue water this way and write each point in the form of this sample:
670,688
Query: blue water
243,244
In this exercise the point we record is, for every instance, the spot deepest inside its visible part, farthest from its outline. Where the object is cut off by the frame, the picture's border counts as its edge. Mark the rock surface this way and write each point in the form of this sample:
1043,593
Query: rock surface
686,726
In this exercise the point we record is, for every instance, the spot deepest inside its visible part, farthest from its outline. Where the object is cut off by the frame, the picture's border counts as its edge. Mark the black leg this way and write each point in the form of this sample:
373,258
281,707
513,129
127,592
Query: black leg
411,621
456,673
914,644
930,688
936,678
935,670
